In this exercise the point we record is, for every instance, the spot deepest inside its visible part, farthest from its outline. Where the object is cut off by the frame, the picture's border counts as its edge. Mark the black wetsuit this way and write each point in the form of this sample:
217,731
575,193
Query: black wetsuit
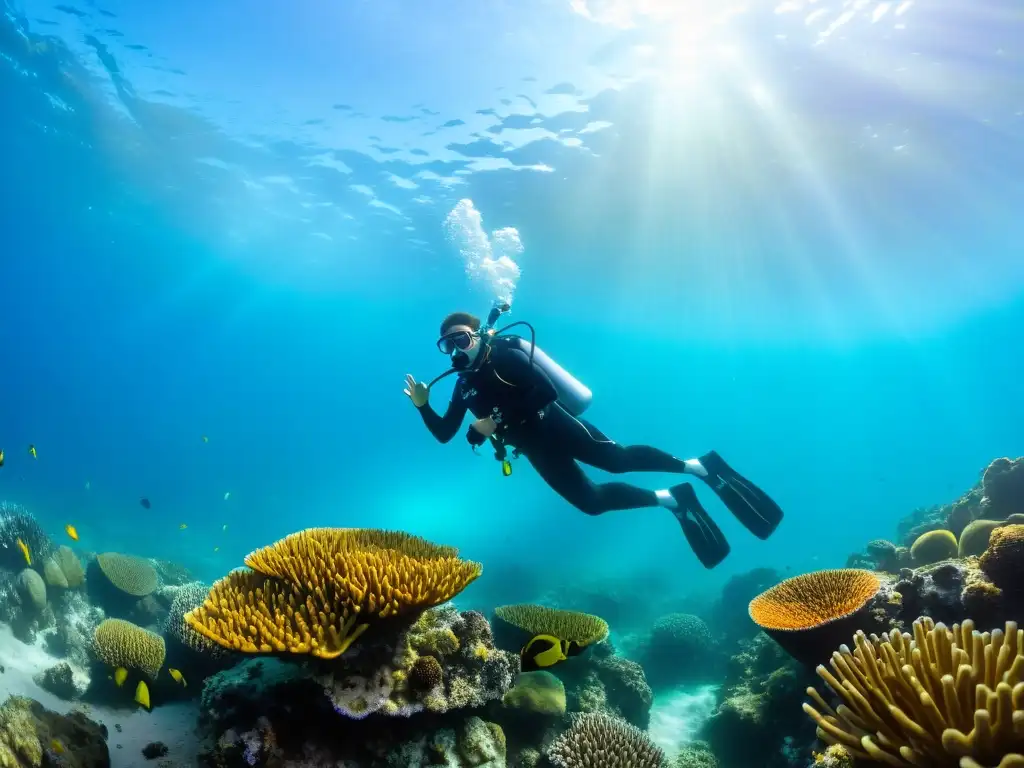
522,399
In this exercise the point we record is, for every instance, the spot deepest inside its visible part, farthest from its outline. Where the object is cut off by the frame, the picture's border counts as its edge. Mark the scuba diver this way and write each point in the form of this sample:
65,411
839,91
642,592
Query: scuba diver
522,398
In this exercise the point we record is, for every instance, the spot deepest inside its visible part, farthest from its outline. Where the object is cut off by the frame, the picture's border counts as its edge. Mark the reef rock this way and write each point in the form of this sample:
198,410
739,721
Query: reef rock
680,649
759,704
601,681
1003,486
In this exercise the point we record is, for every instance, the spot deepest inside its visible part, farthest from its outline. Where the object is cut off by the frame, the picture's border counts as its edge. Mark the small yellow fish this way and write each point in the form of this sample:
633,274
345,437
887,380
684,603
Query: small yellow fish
24,550
216,549
182,527
57,747
1,457
120,675
32,452
224,527
227,495
142,694
71,531
177,676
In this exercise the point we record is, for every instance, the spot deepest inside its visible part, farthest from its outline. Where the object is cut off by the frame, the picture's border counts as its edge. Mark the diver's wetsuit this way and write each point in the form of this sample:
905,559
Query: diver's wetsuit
521,398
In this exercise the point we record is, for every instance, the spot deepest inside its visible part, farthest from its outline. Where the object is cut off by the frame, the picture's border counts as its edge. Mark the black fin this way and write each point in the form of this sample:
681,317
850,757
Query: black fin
705,538
751,506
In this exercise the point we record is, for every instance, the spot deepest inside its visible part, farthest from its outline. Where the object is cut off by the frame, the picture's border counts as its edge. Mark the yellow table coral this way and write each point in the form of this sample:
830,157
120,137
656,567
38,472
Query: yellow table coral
316,591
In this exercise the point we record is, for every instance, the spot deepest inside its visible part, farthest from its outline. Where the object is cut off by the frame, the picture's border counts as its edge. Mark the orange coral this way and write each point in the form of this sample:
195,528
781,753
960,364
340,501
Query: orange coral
805,614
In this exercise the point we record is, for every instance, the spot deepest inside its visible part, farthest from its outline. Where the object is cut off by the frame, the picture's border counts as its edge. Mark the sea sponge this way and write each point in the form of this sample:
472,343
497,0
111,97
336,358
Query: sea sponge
596,739
974,538
70,565
1003,561
120,643
571,626
933,546
131,575
316,591
53,575
425,673
809,614
33,588
940,697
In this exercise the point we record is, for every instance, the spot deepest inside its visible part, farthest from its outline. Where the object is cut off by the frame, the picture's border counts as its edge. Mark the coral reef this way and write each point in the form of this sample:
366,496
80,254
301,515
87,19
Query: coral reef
132,575
59,681
16,523
75,622
119,643
607,683
32,736
811,614
316,591
937,697
70,566
596,739
933,547
679,649
759,705
1003,486
729,616
1003,561
696,755
33,589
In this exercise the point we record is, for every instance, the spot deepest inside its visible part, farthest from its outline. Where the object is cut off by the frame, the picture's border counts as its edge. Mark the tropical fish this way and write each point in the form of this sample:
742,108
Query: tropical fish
56,746
216,549
145,503
1,457
142,694
177,676
544,651
24,550
224,527
183,526
32,452
120,675
71,531
227,495
206,439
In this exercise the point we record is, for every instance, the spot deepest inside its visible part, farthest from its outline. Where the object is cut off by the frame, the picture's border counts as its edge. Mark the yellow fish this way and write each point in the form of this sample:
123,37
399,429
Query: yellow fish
71,531
216,549
24,550
32,452
1,457
177,676
182,527
544,651
120,675
142,694
227,495
224,527
57,747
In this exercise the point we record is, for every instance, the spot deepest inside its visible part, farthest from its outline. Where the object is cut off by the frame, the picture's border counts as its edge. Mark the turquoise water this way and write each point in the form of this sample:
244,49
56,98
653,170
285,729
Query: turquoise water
788,233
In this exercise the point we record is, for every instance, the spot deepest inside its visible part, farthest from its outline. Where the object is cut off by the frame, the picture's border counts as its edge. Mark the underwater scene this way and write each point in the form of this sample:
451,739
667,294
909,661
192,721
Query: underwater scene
547,384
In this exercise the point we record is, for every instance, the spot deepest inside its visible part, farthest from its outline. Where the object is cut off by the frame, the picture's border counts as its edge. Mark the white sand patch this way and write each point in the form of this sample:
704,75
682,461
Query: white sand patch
677,716
173,724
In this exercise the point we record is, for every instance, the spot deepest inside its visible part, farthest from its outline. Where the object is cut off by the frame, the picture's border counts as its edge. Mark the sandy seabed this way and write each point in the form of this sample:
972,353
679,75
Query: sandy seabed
173,724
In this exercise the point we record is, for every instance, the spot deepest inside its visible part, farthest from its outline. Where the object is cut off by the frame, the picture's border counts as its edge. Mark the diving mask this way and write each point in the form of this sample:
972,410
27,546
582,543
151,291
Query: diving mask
458,340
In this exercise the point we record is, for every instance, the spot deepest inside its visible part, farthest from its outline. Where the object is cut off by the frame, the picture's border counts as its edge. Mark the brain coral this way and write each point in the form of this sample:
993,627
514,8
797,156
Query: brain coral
933,546
1003,561
119,643
937,698
597,740
33,588
70,566
317,590
573,626
974,538
53,574
810,614
131,575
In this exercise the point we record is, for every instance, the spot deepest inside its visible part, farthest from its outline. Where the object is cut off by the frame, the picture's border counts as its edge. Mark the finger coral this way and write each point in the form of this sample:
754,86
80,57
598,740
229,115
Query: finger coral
601,740
940,697
572,626
812,613
131,575
120,643
316,591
